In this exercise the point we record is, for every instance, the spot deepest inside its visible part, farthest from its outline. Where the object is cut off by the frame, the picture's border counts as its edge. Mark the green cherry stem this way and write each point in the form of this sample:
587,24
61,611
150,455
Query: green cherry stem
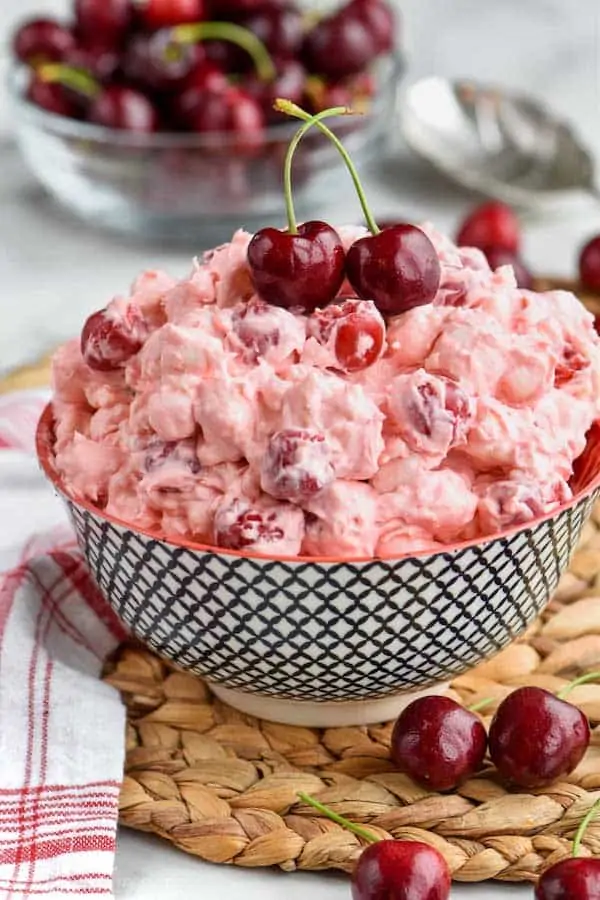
236,34
592,813
583,679
340,820
291,109
481,704
77,79
289,156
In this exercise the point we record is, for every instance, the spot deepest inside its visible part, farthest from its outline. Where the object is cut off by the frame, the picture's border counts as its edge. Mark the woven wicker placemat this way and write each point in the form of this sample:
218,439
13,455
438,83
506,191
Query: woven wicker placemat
223,786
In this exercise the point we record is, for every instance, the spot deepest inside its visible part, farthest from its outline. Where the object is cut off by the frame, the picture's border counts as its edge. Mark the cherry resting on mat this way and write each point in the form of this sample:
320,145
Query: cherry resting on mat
576,878
438,742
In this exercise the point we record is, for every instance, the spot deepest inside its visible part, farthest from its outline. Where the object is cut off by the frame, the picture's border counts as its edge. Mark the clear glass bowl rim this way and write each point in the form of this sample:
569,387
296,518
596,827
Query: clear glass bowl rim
85,131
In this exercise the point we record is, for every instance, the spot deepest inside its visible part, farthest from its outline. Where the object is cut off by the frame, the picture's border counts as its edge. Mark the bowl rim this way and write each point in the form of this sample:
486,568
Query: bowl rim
44,450
99,134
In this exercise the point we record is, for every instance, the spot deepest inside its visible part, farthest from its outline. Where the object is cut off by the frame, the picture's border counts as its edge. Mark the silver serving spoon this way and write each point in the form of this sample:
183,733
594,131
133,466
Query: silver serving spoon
503,144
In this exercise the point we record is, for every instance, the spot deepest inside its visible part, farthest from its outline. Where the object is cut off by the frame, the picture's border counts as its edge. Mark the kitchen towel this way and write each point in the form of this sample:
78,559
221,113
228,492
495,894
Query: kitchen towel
61,728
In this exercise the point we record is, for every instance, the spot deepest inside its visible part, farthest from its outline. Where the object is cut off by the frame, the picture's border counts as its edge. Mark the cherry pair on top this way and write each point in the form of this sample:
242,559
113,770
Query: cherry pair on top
304,267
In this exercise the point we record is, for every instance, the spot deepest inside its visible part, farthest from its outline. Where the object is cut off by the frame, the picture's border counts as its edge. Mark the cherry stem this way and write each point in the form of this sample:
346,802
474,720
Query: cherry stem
291,109
77,79
236,34
583,679
592,813
340,820
481,704
289,156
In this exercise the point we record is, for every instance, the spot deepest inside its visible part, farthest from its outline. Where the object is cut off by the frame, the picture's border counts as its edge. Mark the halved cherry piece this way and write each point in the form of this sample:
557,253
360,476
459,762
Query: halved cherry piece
355,329
111,337
297,271
296,465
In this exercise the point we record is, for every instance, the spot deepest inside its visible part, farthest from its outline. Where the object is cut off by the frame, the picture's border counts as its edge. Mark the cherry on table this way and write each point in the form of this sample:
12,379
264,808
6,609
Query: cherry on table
498,256
571,879
356,330
589,265
42,40
124,108
105,22
493,224
52,97
535,737
398,269
303,270
400,870
166,13
438,743
110,338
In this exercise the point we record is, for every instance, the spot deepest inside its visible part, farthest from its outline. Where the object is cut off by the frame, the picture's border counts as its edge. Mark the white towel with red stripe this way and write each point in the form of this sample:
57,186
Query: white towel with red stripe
61,728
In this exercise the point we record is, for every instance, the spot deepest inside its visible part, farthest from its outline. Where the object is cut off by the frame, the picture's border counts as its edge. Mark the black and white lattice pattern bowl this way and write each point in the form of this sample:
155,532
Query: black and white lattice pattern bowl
323,631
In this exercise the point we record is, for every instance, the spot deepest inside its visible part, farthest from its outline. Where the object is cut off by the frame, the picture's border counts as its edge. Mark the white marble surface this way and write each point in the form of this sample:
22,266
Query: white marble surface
53,271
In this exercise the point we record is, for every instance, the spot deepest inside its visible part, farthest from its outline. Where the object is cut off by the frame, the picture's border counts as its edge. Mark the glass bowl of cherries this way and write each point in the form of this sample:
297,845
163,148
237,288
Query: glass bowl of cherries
156,117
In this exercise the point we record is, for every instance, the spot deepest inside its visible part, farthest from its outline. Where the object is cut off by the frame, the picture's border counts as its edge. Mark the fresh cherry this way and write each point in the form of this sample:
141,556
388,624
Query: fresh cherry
124,108
575,878
400,870
156,62
101,62
42,40
379,18
398,269
111,337
492,224
52,97
589,265
296,465
279,28
438,743
354,329
339,46
498,256
164,13
536,737
289,82
205,78
231,110
571,879
302,270
105,22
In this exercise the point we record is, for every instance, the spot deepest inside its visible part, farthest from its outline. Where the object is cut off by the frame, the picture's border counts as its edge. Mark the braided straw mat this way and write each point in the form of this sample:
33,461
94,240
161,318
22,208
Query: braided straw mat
224,786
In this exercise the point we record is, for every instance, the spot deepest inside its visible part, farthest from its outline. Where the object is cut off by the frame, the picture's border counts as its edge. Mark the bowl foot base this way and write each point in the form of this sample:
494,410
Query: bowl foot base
322,715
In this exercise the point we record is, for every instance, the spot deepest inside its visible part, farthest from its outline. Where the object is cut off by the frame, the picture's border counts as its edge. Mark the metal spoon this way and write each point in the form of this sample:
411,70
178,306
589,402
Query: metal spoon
497,142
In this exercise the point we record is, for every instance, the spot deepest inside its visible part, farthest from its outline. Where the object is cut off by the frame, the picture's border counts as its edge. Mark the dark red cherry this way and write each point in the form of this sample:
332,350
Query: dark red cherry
380,20
155,62
398,269
124,108
497,256
165,13
52,97
105,22
232,111
571,879
438,743
302,271
401,870
354,330
206,77
589,265
42,40
536,738
280,28
111,337
492,224
101,62
339,46
289,83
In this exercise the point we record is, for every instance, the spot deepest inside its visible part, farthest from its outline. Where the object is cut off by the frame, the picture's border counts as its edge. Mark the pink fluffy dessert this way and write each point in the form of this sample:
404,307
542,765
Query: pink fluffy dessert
246,426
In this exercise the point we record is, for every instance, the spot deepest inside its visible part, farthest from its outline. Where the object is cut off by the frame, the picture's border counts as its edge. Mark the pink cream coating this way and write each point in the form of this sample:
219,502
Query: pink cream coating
468,423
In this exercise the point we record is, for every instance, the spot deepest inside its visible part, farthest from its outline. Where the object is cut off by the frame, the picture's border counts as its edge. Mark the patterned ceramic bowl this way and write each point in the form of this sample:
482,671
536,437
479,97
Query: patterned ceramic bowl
327,641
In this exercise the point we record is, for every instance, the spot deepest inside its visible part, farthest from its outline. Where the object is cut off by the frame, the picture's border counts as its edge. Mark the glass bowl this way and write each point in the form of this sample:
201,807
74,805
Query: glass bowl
173,186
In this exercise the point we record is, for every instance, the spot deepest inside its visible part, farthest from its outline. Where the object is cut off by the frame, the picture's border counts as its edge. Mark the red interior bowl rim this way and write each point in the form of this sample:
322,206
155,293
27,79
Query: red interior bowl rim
43,441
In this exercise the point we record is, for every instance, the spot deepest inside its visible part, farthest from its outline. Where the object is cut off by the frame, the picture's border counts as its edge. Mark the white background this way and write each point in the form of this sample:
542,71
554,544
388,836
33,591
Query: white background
52,271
